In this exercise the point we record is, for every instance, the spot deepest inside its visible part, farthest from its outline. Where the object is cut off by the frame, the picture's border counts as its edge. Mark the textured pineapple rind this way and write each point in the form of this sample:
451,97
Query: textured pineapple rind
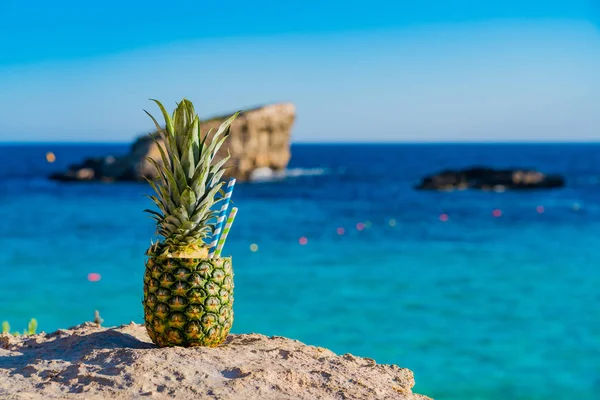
188,301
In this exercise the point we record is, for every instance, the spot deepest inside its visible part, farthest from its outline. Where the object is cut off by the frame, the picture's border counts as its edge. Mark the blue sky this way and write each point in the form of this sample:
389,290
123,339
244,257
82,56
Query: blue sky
436,70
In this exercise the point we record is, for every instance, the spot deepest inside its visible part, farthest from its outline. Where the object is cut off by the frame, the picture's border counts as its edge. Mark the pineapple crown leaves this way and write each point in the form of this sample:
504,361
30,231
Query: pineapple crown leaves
189,178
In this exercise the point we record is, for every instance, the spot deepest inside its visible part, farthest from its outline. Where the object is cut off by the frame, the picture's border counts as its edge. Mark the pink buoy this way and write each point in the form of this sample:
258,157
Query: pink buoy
444,217
360,226
93,277
497,213
303,240
539,209
340,231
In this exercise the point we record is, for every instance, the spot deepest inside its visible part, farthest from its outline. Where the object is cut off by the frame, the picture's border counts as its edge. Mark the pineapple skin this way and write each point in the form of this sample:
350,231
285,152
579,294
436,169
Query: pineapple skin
188,301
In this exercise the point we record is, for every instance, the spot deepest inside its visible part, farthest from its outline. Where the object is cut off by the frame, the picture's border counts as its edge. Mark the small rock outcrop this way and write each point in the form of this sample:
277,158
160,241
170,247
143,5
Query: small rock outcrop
260,138
490,179
90,362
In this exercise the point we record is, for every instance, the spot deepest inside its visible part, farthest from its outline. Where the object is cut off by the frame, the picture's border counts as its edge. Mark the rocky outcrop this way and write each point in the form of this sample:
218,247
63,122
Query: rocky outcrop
490,179
89,362
260,139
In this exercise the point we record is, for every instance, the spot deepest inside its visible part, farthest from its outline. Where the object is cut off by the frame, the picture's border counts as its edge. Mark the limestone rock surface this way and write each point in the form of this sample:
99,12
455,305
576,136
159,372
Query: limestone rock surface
90,362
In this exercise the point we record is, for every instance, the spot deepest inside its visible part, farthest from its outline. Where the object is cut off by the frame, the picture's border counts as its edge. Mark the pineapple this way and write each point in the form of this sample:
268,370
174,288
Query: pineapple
188,297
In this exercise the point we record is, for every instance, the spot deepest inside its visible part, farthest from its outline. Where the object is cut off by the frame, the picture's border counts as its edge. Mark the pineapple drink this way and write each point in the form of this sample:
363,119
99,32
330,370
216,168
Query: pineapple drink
188,297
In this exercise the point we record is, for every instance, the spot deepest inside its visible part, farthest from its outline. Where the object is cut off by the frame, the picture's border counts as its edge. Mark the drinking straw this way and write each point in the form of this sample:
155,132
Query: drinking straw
223,237
221,219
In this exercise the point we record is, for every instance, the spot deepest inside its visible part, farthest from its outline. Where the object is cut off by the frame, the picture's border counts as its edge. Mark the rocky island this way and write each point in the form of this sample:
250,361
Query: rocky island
260,140
90,362
490,179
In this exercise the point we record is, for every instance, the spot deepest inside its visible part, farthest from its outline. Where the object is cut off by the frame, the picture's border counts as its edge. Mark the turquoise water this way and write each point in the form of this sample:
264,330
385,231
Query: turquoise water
478,307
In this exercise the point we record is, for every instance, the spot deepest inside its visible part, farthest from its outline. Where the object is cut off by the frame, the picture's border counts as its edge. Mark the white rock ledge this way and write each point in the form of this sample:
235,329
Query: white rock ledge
89,362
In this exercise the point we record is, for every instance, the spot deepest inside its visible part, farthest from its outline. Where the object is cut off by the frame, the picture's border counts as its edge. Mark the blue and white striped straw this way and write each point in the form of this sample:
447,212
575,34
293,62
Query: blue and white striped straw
223,237
221,219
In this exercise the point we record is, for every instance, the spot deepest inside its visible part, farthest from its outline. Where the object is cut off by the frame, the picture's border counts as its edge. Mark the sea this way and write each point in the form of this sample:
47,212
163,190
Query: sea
484,295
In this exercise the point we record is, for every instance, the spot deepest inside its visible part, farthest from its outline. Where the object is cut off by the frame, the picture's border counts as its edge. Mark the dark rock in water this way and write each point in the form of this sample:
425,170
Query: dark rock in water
260,138
490,179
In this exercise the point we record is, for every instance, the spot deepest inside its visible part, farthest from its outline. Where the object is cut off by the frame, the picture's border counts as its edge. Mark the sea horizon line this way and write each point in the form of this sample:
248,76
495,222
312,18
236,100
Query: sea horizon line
326,143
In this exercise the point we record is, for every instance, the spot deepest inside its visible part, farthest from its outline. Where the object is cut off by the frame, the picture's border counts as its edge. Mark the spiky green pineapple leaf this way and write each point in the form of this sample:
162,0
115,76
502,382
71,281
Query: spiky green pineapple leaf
204,139
163,156
158,204
227,124
216,177
188,157
167,137
168,121
169,187
218,141
219,166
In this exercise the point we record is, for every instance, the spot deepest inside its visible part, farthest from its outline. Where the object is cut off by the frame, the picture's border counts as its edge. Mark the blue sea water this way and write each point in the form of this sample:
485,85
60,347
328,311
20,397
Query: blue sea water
478,307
